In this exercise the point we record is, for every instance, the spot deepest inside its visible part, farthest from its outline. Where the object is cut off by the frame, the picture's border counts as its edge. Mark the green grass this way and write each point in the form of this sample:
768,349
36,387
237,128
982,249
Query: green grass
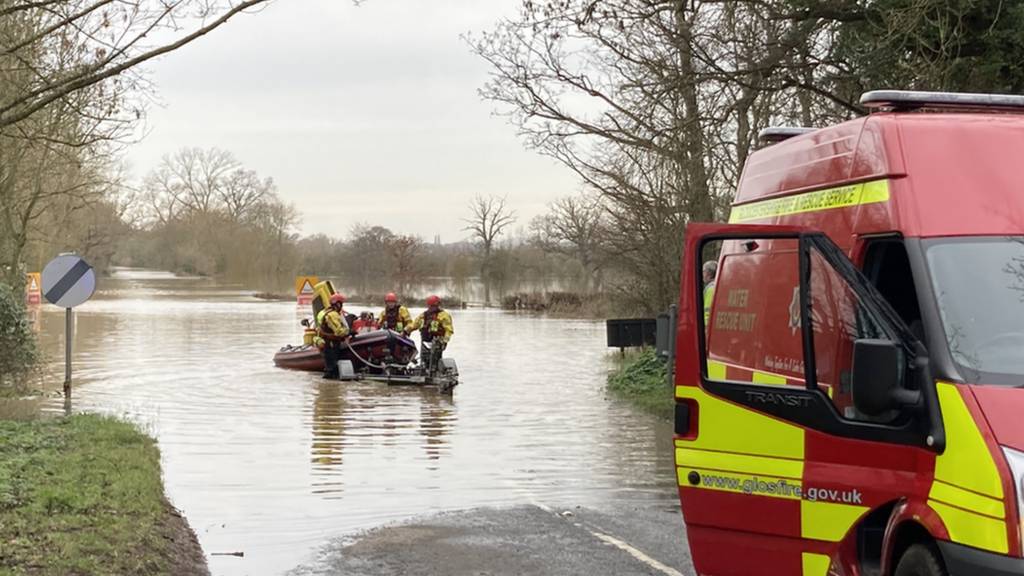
642,379
81,495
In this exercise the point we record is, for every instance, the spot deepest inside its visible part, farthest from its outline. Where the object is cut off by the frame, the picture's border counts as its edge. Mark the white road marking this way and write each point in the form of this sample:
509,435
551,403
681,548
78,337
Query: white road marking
607,539
636,553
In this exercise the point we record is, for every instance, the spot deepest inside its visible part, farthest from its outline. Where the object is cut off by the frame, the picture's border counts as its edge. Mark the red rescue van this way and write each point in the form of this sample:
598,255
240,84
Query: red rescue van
854,403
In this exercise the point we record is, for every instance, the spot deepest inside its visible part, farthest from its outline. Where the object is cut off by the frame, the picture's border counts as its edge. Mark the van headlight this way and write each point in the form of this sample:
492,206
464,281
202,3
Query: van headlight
1015,459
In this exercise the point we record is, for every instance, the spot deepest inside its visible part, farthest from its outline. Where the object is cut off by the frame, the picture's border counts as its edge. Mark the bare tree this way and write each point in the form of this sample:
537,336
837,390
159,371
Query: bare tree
573,226
405,252
107,39
242,191
198,181
44,181
654,105
193,180
490,217
368,258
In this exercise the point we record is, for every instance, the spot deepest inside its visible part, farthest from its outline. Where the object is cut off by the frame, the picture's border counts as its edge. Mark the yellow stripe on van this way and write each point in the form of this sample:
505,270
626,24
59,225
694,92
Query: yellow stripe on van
967,462
768,378
744,463
972,529
828,521
716,371
840,197
726,427
972,501
967,480
815,564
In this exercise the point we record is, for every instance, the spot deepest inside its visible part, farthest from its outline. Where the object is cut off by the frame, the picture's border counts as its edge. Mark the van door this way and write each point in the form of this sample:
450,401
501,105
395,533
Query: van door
775,475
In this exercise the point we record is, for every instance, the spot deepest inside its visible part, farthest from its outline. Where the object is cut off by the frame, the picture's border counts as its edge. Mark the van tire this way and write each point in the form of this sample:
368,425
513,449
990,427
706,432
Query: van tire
920,560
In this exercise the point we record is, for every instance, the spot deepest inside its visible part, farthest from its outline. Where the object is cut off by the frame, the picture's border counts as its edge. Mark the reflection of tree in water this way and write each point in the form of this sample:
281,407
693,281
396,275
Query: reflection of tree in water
328,426
436,420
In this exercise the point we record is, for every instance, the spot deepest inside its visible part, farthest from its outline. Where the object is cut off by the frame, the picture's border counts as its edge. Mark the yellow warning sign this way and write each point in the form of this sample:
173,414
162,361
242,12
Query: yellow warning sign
304,285
33,288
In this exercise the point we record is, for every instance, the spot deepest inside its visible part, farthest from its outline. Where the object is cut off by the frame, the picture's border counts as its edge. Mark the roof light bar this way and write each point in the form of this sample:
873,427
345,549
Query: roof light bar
774,134
911,99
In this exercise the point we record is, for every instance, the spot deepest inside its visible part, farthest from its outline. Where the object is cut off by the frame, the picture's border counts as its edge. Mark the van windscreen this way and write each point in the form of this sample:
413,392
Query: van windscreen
979,285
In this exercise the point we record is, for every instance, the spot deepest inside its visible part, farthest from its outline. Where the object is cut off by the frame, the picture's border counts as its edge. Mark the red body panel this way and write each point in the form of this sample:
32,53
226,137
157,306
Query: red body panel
954,174
1004,409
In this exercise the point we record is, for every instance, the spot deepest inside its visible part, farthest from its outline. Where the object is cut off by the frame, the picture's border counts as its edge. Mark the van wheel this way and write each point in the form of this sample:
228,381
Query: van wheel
920,560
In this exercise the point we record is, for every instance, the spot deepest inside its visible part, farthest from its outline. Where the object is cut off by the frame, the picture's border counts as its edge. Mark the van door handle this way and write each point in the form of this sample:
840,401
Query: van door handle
686,418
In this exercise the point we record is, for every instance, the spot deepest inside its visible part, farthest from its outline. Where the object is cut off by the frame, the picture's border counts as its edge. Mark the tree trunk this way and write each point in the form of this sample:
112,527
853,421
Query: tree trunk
698,198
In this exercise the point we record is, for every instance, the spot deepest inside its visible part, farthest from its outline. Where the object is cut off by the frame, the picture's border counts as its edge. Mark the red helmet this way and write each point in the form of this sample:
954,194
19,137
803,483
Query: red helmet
433,300
337,299
391,297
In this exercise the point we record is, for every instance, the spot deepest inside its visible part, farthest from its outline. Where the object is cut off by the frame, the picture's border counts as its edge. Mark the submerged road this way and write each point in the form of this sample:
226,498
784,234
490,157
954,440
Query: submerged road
524,540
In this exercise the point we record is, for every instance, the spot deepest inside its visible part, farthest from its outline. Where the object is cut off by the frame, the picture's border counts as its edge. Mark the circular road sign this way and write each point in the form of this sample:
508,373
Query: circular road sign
68,281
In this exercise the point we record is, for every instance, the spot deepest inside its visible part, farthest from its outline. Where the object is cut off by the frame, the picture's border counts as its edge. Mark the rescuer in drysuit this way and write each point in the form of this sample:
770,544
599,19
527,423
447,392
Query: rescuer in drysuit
395,316
435,326
333,328
708,272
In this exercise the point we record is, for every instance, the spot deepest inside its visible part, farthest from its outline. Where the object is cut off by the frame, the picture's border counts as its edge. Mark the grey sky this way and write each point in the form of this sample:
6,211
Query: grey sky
360,114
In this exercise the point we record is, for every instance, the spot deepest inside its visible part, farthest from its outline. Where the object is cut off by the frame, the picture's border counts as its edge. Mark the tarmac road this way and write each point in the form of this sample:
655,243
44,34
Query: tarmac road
525,540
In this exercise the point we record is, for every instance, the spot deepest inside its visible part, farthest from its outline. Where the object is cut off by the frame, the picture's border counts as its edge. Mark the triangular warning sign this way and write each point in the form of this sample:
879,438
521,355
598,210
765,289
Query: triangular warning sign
33,286
307,288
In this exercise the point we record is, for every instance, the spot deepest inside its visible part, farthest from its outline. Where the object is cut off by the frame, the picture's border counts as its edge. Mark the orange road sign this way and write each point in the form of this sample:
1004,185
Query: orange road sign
304,284
33,288
304,288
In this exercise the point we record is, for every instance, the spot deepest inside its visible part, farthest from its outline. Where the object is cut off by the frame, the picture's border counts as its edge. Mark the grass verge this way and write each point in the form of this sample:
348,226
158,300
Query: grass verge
641,378
84,495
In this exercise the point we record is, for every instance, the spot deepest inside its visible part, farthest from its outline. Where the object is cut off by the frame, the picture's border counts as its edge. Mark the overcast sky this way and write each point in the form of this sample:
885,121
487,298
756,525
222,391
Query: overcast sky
360,114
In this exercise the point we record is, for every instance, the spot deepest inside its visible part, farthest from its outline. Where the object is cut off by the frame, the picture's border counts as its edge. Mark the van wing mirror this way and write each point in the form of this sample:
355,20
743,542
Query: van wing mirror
879,367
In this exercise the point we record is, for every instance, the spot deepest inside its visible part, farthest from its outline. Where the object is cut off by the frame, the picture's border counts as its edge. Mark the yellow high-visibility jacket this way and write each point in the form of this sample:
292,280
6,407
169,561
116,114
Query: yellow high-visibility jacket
434,326
333,326
401,319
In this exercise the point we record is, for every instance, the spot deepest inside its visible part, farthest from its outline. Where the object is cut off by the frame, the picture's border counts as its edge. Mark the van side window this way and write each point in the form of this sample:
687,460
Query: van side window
752,337
838,320
887,266
754,333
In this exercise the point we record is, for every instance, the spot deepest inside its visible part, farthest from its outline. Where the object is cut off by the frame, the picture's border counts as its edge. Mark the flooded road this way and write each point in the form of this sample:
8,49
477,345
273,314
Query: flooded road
278,464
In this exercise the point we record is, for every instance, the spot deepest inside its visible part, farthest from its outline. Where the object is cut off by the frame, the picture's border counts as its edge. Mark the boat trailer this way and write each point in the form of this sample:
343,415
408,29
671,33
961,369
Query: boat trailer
445,377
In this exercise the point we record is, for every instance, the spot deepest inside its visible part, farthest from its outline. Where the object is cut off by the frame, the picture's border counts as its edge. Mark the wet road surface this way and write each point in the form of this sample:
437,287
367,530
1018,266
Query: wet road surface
283,465
525,540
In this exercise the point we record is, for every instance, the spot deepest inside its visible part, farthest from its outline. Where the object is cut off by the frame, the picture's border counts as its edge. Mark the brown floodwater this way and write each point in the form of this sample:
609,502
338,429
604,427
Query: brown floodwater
277,464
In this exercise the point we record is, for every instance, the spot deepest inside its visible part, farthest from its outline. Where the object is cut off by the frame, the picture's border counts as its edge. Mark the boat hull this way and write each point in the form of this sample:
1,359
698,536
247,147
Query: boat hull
368,352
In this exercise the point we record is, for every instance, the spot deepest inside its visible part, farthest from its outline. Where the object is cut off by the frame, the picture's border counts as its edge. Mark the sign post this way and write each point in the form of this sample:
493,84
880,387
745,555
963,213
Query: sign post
68,281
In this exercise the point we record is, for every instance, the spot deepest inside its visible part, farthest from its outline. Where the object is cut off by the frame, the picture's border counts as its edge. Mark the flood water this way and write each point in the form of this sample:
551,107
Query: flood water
276,464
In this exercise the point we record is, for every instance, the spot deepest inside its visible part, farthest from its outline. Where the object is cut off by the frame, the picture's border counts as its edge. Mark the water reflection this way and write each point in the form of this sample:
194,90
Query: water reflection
328,426
277,463
437,416
365,419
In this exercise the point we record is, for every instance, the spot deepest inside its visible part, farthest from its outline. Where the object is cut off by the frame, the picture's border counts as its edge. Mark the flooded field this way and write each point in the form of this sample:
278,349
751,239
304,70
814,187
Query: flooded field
276,464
